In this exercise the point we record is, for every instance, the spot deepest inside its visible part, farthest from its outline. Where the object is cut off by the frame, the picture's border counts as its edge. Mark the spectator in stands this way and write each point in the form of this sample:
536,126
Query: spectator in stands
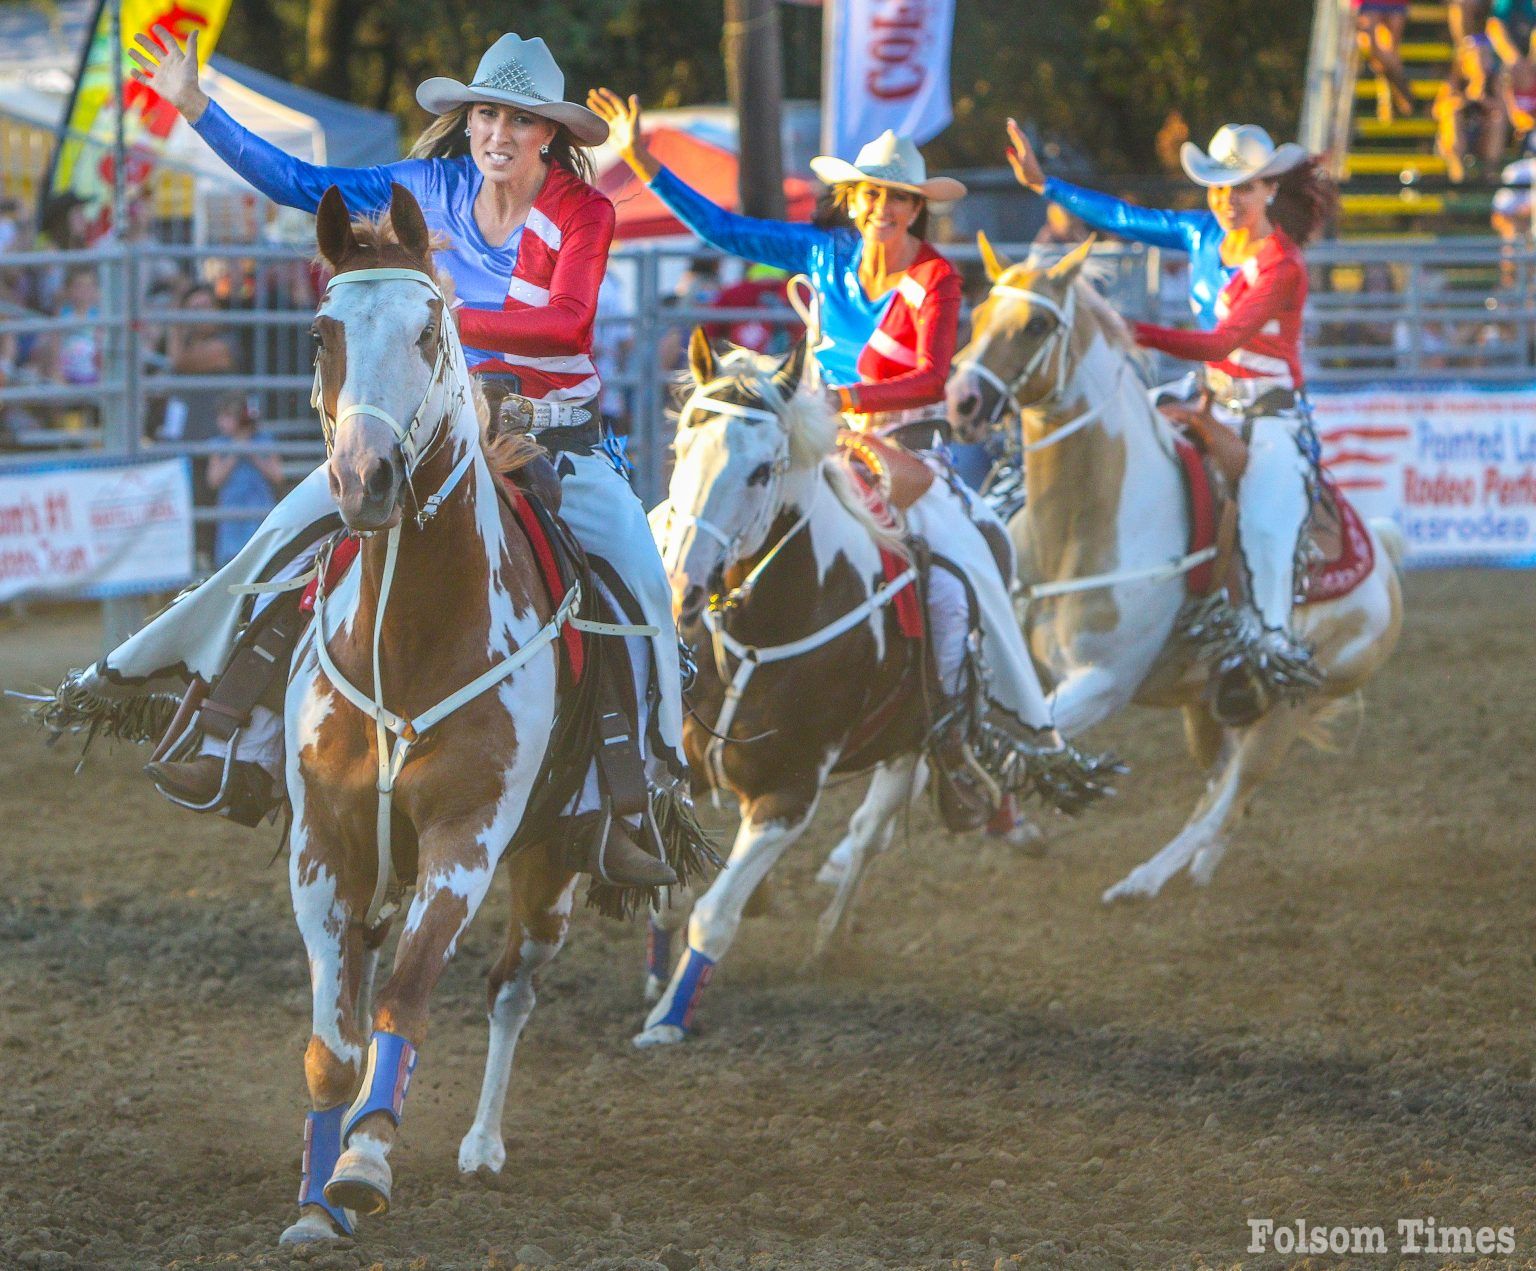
10,225
1379,32
244,477
77,354
1512,215
1518,93
1466,17
1511,23
1472,122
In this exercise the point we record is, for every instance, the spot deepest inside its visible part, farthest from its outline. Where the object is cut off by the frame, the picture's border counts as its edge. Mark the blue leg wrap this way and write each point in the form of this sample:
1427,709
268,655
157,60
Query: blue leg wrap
658,950
695,975
322,1145
391,1061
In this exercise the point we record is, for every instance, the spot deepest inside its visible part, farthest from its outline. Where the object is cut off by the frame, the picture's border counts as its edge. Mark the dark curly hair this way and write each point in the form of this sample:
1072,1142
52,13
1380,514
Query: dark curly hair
1306,200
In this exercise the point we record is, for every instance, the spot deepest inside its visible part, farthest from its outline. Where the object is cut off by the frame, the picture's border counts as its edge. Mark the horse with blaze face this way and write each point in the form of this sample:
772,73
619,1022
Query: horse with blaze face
446,625
1105,536
803,669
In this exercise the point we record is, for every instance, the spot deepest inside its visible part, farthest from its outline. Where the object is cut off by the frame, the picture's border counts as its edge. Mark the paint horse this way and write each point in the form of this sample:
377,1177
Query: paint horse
418,712
803,670
1107,531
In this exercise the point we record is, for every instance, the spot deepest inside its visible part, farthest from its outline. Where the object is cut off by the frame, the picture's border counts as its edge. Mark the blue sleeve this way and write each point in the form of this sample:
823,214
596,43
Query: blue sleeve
294,183
782,244
1177,231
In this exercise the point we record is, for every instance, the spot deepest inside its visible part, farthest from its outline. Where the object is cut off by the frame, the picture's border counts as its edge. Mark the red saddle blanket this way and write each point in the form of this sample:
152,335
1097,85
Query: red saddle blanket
1329,579
907,604
346,551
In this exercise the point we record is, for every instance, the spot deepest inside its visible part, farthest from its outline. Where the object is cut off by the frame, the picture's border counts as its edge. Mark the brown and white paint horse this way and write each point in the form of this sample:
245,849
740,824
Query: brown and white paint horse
461,594
1105,523
755,478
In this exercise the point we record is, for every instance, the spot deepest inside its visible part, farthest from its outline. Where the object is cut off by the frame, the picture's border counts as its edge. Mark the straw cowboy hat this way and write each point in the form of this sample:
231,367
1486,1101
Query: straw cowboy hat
1239,153
893,161
516,72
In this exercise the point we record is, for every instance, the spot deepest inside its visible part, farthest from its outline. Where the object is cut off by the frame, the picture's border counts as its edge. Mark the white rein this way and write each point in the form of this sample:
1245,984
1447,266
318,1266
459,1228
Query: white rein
395,733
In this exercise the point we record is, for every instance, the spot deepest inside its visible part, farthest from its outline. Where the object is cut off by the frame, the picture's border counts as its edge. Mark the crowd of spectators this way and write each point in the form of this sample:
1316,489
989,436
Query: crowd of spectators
1485,112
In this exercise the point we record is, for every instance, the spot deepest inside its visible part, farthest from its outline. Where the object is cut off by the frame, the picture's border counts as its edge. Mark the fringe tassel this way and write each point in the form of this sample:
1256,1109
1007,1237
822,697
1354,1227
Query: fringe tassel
687,848
72,708
1063,777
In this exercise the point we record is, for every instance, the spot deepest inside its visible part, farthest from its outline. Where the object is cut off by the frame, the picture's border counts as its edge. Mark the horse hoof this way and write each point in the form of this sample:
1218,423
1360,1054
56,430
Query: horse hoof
361,1181
655,986
314,1226
831,872
482,1150
659,1035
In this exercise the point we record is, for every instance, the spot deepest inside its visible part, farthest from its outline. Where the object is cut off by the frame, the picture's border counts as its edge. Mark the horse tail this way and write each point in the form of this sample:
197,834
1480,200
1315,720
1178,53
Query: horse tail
1334,727
1392,539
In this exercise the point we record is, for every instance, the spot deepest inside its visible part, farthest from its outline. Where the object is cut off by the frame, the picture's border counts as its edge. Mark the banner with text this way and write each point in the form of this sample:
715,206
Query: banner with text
1453,464
889,69
95,532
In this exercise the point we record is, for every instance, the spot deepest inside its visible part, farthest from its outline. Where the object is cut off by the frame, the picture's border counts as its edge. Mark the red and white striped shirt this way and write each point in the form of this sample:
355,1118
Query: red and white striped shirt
1257,338
543,331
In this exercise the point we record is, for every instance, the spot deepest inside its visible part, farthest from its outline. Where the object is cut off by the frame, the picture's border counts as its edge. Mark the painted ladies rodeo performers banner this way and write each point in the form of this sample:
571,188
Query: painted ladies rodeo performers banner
1454,464
92,532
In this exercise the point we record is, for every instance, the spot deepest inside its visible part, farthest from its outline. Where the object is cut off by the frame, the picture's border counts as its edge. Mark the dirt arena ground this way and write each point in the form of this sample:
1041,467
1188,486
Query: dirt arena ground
995,1072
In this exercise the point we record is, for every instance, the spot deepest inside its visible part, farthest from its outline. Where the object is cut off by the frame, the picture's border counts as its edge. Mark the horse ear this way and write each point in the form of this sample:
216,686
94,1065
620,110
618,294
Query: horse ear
787,378
701,357
995,262
409,224
1068,265
333,228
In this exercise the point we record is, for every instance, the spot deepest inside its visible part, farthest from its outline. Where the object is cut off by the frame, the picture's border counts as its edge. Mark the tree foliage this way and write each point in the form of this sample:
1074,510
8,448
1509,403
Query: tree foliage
1100,77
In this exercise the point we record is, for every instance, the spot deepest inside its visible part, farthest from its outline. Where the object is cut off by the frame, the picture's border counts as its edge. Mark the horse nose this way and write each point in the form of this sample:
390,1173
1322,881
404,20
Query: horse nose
379,481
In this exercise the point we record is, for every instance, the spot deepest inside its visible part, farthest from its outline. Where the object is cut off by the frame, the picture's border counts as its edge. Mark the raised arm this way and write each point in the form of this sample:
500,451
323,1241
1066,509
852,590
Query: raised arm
1176,231
781,244
564,325
172,71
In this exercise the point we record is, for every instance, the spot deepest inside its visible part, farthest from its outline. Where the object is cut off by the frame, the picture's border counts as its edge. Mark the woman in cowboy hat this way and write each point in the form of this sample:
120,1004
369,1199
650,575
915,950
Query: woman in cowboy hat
502,174
889,312
1248,286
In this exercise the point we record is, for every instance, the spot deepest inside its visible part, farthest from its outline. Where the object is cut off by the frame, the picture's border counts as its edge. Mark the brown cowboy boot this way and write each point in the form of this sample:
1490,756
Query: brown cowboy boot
198,781
617,858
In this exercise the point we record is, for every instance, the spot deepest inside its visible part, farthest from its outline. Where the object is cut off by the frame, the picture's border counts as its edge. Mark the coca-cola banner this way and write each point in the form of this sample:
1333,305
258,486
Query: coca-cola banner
889,69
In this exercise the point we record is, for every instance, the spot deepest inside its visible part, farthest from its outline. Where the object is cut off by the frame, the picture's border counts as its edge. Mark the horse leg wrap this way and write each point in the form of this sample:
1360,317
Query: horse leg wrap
322,1145
695,974
658,950
391,1061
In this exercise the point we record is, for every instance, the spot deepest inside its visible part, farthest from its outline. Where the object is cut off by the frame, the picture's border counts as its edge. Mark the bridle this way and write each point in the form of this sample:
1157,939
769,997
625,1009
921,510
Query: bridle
413,450
1007,391
745,540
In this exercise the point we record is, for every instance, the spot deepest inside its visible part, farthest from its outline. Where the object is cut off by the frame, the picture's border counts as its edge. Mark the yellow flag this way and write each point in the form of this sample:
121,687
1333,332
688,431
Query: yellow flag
83,161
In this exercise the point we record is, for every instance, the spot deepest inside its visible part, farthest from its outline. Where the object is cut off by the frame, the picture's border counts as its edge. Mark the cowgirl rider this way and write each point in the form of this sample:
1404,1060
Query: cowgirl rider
503,175
889,310
1248,286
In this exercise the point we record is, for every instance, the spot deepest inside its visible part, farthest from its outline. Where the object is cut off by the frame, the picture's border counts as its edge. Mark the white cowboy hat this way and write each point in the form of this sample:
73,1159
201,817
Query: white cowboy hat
516,72
1239,153
893,161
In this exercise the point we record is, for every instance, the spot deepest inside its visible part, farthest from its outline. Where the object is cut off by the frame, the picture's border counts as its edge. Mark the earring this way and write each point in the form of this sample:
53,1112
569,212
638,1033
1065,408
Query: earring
544,151
466,132
1270,201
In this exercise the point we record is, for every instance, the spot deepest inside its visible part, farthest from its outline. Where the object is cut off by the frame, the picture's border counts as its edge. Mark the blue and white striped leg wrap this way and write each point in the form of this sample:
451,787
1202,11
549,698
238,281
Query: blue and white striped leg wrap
322,1145
692,978
658,950
391,1061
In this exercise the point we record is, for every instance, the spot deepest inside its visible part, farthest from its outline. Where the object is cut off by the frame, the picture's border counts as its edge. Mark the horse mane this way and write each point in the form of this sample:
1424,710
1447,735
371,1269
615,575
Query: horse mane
812,427
1095,272
378,247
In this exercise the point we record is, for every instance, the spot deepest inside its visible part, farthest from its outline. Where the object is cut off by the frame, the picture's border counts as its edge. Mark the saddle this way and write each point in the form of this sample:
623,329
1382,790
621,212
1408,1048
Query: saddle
1213,457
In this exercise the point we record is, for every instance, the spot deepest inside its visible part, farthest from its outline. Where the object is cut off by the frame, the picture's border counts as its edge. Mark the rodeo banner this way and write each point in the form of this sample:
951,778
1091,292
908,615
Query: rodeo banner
889,69
1453,464
95,532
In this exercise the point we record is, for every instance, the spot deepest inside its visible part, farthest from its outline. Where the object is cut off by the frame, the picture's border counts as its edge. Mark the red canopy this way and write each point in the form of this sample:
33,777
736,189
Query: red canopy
707,168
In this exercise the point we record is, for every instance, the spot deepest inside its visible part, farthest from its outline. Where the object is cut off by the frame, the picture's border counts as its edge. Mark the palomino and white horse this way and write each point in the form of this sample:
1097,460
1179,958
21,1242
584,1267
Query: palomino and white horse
430,674
1105,538
804,671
